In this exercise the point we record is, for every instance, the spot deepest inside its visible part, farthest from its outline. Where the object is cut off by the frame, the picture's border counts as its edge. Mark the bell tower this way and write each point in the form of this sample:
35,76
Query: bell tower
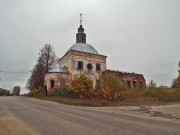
81,36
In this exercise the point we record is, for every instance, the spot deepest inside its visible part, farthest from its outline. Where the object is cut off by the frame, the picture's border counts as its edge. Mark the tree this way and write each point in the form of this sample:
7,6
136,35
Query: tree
152,84
16,90
29,83
46,60
47,57
4,92
37,77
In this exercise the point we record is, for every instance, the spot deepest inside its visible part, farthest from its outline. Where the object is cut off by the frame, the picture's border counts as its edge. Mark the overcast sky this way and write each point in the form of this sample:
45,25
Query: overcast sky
141,36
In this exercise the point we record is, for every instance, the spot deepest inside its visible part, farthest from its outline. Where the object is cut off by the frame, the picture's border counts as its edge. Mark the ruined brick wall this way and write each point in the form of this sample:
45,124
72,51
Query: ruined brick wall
60,80
132,80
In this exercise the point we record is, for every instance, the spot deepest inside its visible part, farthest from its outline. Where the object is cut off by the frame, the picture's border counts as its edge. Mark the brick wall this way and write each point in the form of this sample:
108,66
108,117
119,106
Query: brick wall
132,80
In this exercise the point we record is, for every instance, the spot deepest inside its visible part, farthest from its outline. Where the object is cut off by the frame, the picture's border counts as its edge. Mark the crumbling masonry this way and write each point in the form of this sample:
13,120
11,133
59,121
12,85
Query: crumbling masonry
82,58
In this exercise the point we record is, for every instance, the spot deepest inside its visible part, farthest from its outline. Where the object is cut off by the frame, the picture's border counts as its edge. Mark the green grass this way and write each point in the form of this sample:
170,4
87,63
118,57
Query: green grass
76,102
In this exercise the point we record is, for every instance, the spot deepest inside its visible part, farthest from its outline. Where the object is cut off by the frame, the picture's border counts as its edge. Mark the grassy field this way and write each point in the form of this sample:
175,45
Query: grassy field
128,97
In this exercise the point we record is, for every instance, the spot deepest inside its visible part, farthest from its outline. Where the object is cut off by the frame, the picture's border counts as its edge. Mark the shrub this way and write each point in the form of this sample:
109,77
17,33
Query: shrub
38,90
109,87
63,93
163,95
82,86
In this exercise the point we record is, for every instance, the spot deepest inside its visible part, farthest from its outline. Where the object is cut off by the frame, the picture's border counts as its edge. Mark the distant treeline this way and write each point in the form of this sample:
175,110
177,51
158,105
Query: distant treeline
4,92
15,92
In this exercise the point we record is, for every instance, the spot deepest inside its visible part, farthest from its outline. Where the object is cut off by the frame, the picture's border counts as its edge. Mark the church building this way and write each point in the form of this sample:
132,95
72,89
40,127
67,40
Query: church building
83,58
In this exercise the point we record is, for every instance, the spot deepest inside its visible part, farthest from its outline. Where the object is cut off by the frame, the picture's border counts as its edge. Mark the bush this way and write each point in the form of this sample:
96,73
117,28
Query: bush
163,95
63,92
36,91
82,86
109,87
67,93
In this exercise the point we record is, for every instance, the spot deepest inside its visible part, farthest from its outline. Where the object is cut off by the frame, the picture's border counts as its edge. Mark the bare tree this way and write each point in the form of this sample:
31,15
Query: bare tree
47,57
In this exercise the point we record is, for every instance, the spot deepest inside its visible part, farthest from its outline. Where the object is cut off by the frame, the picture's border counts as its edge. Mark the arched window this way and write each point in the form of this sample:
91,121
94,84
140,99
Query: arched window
140,84
134,84
89,67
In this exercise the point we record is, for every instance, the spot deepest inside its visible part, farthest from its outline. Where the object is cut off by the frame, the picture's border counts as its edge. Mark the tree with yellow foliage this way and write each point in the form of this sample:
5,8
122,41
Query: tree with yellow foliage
82,86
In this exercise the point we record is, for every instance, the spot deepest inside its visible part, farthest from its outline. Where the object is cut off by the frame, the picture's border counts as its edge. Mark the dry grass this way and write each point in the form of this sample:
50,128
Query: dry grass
128,97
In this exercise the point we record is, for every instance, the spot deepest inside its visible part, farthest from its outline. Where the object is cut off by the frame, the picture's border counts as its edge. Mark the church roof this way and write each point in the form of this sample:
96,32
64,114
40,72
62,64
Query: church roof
83,47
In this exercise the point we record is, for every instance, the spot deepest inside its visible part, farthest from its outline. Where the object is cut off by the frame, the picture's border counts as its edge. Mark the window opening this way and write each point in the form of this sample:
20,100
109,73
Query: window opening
52,83
129,84
134,84
98,67
140,84
89,66
80,65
